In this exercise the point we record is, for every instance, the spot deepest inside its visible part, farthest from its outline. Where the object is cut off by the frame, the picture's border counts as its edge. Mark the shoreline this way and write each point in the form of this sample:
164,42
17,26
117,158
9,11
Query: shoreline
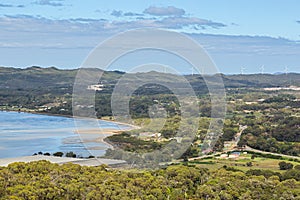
100,132
133,127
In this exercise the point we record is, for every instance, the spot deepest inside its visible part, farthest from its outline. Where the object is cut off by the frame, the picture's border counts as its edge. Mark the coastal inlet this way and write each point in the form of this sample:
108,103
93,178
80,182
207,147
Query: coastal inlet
23,134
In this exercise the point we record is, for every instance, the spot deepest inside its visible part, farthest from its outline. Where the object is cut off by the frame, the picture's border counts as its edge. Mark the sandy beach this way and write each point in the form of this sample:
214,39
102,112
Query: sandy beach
41,132
91,134
104,132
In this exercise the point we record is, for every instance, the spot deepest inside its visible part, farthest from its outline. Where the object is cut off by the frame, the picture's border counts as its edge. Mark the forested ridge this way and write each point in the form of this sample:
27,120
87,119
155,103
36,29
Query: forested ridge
43,180
50,89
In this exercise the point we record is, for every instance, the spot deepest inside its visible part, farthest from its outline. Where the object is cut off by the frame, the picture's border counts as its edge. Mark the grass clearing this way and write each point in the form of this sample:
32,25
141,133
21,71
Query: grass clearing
241,163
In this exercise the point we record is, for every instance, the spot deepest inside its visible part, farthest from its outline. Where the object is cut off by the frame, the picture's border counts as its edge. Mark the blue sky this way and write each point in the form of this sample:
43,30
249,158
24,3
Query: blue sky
235,33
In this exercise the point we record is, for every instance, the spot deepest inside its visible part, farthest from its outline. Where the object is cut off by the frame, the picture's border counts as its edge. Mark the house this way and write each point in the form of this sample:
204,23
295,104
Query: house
234,155
224,155
98,87
148,135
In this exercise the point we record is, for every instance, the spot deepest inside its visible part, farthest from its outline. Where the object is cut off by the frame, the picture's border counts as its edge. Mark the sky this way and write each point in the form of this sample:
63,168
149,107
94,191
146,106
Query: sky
240,36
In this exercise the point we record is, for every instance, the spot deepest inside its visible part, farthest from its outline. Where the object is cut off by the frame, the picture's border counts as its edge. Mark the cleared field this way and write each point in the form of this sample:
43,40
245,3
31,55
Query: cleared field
241,163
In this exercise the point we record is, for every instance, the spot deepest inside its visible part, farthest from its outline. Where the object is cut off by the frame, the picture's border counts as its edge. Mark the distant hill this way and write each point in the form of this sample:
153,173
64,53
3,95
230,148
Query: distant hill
262,80
47,78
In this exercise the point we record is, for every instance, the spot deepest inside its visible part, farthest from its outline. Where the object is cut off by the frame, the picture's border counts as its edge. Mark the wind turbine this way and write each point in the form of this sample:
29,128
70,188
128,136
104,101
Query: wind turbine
192,70
286,70
202,71
262,69
243,70
165,69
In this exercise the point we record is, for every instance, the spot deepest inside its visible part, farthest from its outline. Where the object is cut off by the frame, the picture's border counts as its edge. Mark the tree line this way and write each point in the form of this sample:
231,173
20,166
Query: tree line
44,180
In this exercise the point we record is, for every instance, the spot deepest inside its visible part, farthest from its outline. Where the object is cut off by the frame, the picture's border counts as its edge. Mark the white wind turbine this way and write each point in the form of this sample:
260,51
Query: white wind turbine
165,69
202,71
262,69
243,70
286,70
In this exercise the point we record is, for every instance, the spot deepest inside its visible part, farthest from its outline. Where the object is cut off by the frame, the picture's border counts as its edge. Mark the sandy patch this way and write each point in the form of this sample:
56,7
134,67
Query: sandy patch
99,131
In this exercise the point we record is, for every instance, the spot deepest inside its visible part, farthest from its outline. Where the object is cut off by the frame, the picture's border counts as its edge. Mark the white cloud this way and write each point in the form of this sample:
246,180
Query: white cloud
131,14
181,22
25,31
6,5
11,6
37,24
49,2
116,13
26,39
164,11
119,13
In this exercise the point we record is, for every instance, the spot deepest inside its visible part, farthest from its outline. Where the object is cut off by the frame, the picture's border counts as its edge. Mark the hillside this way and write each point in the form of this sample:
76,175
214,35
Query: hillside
37,77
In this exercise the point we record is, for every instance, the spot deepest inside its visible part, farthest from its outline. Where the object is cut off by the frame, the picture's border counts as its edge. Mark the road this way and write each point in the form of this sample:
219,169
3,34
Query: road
246,148
237,137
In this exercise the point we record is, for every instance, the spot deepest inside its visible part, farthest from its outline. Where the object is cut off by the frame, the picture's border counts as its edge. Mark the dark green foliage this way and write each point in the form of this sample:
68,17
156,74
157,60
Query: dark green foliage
192,151
43,180
280,98
285,166
255,154
265,173
288,130
291,174
59,154
279,133
71,154
232,169
131,143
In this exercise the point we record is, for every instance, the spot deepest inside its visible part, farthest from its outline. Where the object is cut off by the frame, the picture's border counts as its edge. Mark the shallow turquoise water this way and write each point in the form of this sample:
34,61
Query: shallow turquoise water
23,134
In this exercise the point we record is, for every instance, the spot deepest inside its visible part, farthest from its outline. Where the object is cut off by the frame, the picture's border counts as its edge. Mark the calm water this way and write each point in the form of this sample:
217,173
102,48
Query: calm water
23,134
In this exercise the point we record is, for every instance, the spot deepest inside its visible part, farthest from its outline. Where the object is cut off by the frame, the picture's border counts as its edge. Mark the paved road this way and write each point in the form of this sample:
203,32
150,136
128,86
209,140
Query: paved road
237,138
247,148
